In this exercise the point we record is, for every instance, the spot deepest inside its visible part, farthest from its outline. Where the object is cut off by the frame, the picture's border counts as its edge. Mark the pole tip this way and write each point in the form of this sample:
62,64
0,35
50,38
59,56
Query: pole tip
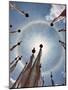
26,63
59,41
10,26
40,66
51,75
18,43
20,58
33,50
41,45
51,24
26,15
19,30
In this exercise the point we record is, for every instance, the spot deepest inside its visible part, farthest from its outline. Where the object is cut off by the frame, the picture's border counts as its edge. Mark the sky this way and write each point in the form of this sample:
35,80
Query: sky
36,29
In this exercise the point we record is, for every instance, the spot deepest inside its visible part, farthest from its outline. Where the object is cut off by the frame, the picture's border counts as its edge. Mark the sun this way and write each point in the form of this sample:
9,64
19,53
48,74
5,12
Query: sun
36,33
36,42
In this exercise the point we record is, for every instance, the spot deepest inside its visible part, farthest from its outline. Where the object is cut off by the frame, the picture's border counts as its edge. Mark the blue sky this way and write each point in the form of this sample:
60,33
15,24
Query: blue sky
53,61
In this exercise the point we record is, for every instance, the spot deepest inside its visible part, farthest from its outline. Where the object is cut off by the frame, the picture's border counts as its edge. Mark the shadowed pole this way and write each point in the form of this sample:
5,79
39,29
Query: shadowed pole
28,70
15,31
61,30
10,26
63,14
52,81
13,65
18,44
17,82
43,82
23,77
14,60
35,72
63,44
18,10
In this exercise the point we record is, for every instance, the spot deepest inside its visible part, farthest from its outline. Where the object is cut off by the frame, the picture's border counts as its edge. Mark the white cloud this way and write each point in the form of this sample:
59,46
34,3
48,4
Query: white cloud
54,12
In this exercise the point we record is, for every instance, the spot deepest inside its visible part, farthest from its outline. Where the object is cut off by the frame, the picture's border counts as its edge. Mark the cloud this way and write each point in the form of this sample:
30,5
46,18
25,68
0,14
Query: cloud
54,12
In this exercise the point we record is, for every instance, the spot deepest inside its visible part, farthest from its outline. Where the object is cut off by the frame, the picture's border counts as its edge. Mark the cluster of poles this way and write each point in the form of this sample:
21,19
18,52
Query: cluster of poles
18,58
15,61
